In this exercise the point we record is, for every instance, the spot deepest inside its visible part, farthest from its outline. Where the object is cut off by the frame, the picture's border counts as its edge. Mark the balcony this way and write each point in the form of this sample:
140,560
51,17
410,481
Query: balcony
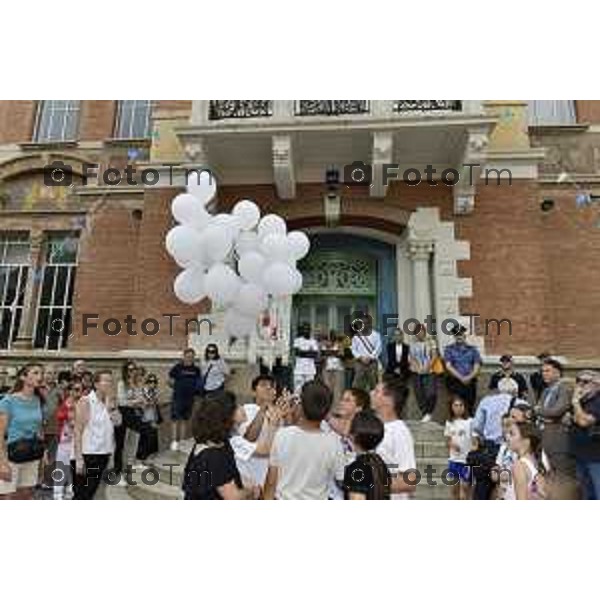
283,142
211,111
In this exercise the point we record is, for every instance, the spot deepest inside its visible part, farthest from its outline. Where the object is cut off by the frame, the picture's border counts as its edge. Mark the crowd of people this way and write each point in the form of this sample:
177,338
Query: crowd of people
315,431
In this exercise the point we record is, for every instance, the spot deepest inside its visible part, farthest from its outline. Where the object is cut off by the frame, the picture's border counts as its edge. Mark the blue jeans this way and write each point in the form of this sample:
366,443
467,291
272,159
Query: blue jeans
588,477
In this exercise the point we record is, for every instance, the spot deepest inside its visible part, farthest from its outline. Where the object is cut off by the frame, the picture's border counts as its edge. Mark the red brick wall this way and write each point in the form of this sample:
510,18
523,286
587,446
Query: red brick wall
16,120
509,268
572,247
105,276
97,119
588,111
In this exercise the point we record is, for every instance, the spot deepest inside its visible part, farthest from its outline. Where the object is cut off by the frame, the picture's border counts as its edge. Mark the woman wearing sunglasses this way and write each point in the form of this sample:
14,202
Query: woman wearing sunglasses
214,371
585,435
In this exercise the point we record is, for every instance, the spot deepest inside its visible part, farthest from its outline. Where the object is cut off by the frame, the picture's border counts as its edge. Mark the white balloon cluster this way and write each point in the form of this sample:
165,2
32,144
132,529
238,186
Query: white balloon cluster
237,260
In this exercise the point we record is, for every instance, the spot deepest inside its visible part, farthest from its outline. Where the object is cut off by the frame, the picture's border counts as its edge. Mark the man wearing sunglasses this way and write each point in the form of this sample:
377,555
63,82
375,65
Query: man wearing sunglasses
585,436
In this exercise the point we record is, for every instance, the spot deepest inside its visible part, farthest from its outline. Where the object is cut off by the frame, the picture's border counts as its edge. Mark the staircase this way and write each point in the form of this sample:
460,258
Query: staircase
430,449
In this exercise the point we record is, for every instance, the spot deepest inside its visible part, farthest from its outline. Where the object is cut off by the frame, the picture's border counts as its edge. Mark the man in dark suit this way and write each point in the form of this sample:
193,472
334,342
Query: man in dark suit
397,356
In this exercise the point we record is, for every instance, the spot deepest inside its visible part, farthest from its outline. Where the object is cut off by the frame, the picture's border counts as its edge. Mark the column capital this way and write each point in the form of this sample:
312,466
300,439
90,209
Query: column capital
419,249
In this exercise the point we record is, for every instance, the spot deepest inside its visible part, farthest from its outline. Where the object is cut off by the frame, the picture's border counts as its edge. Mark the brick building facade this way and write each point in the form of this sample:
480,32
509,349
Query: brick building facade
522,251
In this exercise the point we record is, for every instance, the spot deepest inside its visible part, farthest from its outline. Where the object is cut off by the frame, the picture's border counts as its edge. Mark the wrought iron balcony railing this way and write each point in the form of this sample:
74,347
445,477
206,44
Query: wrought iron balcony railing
306,108
426,105
239,109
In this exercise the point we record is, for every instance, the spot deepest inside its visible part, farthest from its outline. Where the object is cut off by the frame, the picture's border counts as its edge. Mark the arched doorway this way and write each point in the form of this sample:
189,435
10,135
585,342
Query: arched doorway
342,274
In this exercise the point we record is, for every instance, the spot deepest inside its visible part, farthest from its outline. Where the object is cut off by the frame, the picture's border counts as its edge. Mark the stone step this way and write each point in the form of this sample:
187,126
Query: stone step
112,492
426,432
427,449
426,492
157,491
170,466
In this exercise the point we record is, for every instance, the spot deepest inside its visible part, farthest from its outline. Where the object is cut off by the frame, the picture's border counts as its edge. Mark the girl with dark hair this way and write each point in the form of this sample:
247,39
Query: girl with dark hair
21,436
530,468
214,370
458,433
367,478
211,472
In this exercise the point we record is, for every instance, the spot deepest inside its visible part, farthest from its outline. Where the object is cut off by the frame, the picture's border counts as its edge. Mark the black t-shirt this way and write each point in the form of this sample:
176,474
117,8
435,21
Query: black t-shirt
187,381
368,475
209,469
585,441
519,379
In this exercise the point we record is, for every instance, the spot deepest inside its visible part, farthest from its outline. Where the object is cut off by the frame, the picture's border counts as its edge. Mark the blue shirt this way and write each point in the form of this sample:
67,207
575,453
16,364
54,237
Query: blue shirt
24,417
462,357
487,422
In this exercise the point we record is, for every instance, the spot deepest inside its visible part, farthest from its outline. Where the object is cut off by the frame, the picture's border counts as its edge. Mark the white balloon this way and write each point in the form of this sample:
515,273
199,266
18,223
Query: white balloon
298,281
217,241
202,185
189,285
187,209
228,221
247,241
222,284
251,300
238,325
184,244
248,213
271,224
279,279
275,247
299,244
251,267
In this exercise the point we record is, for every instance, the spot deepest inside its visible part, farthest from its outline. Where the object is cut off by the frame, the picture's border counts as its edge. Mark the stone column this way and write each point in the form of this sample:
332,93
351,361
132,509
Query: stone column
24,341
420,252
199,114
283,110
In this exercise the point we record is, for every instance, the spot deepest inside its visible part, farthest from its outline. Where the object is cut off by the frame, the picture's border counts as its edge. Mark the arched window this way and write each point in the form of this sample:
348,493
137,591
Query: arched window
133,119
552,112
57,121
14,271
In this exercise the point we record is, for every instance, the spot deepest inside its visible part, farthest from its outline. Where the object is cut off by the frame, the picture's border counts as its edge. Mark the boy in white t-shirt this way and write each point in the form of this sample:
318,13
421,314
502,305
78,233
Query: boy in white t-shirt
305,459
397,449
306,350
252,465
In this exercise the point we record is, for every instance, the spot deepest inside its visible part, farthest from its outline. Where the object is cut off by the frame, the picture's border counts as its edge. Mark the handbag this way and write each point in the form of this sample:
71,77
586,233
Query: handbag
437,366
26,450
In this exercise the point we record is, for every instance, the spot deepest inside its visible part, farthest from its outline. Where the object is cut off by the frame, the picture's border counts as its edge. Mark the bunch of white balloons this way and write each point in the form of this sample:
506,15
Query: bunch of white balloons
237,260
